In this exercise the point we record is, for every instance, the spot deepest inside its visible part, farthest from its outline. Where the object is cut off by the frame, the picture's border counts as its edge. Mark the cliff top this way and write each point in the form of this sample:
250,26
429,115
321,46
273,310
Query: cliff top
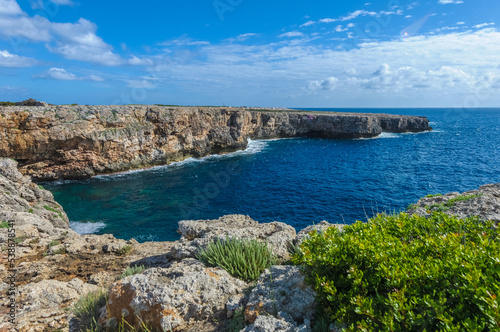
128,108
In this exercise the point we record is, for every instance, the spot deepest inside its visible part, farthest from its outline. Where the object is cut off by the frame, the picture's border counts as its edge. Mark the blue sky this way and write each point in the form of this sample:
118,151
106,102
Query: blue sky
436,53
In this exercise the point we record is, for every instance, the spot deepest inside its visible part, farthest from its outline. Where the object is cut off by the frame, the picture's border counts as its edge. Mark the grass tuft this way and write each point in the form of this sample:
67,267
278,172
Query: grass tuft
124,250
4,224
86,309
54,243
131,270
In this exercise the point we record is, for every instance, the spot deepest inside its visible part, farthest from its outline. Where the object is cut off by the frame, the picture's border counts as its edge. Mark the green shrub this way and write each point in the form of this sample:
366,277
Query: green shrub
243,259
4,224
237,323
60,251
41,187
86,309
435,195
7,103
443,207
131,270
59,213
124,250
407,273
54,243
20,239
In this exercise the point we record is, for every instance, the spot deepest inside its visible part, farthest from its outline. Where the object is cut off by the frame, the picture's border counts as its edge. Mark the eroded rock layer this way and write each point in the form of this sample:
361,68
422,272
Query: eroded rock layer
77,142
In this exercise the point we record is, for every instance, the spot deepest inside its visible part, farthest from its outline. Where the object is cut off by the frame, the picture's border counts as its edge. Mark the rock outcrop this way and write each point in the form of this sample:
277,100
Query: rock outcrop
77,142
196,234
44,265
172,298
484,202
282,289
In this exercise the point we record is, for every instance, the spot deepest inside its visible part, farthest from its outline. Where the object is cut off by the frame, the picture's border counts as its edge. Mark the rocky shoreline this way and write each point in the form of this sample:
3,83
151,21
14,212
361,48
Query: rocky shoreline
78,142
53,267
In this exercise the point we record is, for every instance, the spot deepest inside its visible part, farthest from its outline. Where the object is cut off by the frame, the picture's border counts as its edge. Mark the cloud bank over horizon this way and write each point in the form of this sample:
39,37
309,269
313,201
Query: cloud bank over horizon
397,55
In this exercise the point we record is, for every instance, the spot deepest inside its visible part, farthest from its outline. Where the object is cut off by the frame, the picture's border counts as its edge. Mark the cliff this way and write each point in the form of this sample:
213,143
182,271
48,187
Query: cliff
77,142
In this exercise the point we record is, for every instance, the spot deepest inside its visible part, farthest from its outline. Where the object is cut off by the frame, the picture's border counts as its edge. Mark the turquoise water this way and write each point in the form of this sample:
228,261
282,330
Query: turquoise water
297,181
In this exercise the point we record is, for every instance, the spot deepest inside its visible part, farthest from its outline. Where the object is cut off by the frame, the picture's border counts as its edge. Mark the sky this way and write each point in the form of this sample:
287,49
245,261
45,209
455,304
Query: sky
294,53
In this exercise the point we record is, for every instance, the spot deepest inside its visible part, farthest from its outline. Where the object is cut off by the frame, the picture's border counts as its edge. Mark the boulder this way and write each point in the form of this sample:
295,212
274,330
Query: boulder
281,289
171,298
42,304
304,233
283,323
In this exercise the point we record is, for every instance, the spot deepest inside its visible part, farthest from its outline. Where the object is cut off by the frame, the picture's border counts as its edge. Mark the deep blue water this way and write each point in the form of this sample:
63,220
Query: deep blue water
296,181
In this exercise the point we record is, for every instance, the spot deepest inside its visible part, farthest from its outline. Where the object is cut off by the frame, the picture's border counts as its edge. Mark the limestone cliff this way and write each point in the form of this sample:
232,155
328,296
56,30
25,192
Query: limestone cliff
76,142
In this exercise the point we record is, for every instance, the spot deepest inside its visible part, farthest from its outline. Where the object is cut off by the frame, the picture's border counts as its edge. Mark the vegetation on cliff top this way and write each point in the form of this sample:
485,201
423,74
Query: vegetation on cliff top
407,273
241,258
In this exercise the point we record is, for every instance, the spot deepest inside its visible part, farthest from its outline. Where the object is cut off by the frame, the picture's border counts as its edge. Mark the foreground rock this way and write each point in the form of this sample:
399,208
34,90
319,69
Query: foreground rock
54,266
484,202
172,298
76,142
281,289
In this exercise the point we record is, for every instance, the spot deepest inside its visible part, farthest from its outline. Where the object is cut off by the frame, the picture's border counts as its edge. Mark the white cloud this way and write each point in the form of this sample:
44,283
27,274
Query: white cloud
9,7
61,74
15,91
184,41
76,41
138,61
445,67
484,25
399,79
241,38
354,15
245,36
340,28
327,20
12,60
460,23
412,5
308,23
63,2
291,34
447,2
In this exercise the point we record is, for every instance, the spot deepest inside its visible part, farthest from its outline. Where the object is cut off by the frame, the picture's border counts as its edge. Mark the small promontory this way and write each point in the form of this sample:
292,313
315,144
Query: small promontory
77,142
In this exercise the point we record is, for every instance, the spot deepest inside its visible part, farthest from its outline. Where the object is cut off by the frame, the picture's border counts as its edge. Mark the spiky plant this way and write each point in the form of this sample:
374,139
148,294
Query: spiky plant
242,258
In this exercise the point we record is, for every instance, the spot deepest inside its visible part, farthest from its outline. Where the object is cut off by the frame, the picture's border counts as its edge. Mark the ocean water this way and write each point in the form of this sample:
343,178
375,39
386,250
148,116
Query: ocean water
298,181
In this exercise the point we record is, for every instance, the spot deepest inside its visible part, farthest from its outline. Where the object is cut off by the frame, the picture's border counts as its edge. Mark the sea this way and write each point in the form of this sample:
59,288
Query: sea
299,181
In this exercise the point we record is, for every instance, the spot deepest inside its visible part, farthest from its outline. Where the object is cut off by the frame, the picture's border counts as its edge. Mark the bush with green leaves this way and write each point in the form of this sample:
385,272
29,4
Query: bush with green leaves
242,258
4,224
407,273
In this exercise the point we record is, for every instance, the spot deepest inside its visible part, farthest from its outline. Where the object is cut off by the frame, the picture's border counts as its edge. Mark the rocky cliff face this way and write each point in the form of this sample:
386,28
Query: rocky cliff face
76,142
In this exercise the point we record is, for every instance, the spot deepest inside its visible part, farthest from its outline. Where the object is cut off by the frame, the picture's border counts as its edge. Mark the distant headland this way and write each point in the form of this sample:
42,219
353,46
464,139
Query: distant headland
53,142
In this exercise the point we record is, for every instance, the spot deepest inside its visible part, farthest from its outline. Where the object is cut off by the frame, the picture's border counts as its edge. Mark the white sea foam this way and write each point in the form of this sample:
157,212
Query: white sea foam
86,227
147,238
388,135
